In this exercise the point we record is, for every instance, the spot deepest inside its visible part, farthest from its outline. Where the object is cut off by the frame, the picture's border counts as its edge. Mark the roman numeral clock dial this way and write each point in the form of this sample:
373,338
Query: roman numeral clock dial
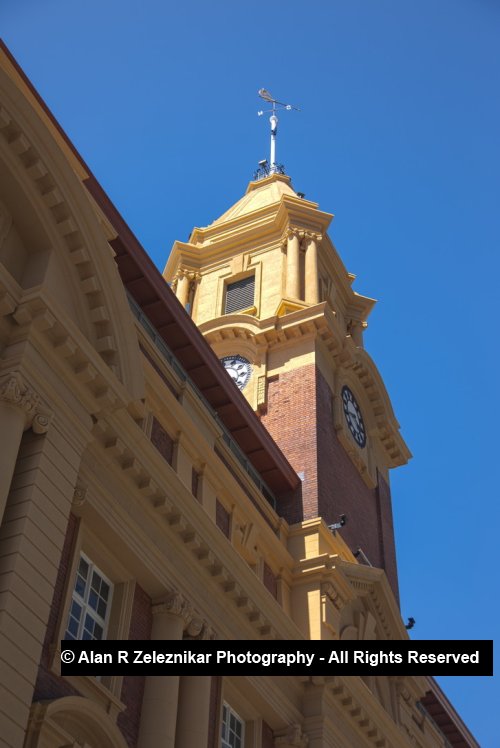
353,417
238,368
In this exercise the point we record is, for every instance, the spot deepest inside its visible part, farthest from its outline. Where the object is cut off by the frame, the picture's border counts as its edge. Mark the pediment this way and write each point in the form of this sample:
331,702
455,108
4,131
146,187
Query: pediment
78,259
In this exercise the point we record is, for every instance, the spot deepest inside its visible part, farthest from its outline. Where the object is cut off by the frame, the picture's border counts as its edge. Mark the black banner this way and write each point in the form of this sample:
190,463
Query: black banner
193,657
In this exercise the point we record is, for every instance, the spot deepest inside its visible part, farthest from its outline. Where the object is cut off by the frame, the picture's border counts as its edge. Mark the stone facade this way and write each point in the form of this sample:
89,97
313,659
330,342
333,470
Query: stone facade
114,412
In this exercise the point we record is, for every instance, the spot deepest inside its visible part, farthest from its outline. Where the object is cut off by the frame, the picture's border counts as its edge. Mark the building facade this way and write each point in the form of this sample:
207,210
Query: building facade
146,495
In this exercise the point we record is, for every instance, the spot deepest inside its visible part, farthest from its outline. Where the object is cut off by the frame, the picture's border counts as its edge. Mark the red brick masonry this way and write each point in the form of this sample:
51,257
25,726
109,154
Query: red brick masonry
299,417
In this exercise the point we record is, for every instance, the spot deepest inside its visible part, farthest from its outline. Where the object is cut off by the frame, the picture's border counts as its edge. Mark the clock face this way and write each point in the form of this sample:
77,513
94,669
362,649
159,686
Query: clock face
238,368
353,416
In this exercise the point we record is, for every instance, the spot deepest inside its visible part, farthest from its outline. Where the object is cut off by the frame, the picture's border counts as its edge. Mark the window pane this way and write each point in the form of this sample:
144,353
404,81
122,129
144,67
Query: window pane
93,599
80,585
73,626
91,605
83,568
232,728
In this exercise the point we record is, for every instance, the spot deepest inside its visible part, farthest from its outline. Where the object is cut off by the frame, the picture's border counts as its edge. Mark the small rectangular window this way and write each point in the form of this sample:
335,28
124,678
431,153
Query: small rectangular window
233,728
90,603
240,295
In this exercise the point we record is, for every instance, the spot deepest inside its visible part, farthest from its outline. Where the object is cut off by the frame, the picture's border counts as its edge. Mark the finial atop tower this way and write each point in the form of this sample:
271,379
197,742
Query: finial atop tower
266,168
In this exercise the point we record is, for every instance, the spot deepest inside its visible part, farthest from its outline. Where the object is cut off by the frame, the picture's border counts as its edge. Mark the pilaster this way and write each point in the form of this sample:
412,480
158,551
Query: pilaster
31,541
20,409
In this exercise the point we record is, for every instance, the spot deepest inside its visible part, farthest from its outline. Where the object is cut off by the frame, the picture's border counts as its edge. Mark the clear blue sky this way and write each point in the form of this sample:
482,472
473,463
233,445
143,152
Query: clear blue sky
399,136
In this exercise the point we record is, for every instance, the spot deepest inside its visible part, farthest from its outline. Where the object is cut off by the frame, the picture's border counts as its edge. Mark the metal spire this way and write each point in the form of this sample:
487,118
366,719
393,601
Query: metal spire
271,167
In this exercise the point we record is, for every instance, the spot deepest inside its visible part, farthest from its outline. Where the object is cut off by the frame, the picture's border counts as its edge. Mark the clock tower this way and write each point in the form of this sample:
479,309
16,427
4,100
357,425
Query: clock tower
268,290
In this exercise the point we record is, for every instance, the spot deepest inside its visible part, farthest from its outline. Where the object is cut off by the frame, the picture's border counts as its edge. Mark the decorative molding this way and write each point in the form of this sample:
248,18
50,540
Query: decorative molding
194,627
291,737
174,604
79,495
15,391
207,632
337,600
41,422
192,275
67,225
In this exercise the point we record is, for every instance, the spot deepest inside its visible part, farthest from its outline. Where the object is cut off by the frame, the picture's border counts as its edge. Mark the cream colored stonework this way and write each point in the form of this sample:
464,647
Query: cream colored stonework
304,311
81,380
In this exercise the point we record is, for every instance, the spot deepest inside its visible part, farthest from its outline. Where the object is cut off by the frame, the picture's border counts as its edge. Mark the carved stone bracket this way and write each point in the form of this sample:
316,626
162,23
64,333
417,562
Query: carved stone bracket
15,391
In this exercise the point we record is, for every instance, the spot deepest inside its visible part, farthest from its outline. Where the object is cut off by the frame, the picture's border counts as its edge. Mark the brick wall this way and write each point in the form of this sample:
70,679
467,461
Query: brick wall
300,419
270,580
290,418
162,441
48,684
222,518
387,533
133,685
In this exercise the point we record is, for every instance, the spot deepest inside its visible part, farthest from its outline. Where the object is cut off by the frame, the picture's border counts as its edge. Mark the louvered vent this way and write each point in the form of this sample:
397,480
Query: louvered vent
240,294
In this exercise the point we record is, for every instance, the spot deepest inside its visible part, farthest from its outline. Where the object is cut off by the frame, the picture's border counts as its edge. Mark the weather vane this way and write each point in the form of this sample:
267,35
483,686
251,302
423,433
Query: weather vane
272,167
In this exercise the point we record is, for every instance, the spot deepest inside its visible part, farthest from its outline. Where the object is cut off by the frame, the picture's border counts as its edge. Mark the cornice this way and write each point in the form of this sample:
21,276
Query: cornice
175,511
320,321
372,583
39,317
267,224
66,223
366,713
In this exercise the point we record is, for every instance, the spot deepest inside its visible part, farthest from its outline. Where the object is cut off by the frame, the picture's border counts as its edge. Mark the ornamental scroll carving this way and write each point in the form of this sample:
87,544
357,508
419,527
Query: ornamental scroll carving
192,276
303,236
15,391
175,604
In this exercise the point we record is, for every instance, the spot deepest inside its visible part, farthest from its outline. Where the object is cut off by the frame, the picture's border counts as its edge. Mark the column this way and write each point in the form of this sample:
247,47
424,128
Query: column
182,290
194,699
161,693
311,269
293,265
19,409
193,712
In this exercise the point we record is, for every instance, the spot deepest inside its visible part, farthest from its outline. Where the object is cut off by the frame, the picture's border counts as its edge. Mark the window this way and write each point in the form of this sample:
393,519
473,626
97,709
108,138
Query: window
240,295
233,728
90,603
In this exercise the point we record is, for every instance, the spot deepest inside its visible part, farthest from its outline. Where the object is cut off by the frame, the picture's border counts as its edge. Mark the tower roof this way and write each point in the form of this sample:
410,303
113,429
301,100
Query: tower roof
259,194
